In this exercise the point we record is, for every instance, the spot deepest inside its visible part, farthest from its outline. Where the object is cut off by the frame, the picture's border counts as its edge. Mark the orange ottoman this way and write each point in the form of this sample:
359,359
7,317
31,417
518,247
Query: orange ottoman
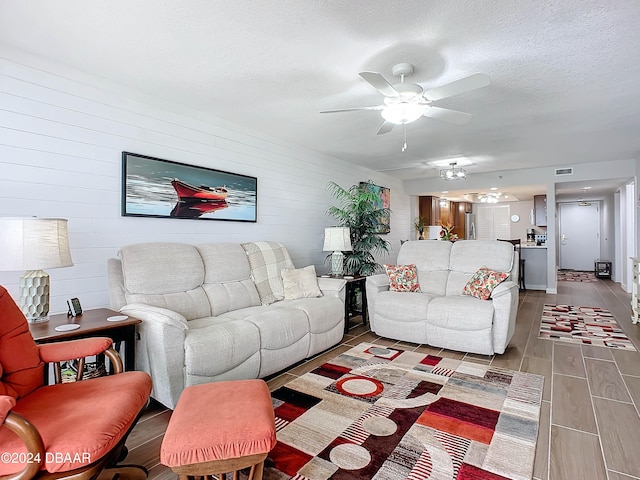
220,427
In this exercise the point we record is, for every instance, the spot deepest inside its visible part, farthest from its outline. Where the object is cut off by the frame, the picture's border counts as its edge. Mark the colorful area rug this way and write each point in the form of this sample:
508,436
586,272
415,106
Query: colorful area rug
588,325
576,276
385,413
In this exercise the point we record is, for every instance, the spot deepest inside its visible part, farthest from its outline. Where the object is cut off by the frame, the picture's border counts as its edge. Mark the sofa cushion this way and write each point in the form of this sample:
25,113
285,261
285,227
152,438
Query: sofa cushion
145,273
323,314
146,279
300,283
483,282
467,256
464,313
403,307
215,345
284,334
267,260
224,262
227,279
277,327
431,258
402,278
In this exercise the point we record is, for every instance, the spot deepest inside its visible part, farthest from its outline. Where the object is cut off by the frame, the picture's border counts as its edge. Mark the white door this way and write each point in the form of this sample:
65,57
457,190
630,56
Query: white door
579,233
493,222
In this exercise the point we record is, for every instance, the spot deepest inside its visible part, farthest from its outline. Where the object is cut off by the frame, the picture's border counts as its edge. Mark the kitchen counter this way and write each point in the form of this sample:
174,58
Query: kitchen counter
535,266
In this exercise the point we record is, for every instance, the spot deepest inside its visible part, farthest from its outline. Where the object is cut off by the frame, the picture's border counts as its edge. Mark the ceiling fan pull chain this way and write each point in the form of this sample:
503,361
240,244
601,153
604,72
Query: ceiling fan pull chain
404,147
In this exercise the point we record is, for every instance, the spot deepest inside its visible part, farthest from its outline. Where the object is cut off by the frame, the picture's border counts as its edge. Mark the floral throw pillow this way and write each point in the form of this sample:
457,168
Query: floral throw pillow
403,278
483,282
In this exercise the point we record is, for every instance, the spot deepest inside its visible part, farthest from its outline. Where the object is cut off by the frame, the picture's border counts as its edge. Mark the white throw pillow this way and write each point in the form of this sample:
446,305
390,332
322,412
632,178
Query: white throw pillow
300,283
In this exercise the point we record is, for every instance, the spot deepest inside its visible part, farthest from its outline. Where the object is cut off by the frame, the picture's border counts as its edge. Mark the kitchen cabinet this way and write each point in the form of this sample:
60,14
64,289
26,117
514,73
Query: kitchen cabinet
429,209
535,273
457,212
540,210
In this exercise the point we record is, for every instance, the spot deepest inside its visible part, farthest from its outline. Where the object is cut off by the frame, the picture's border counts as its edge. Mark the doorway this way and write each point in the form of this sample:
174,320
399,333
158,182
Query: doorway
579,234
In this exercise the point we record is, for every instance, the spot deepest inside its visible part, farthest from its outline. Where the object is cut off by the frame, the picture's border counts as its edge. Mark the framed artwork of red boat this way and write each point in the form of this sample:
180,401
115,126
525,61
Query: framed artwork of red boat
153,187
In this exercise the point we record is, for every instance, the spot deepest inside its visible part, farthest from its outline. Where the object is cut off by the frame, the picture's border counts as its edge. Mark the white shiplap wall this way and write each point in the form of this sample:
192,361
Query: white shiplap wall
61,137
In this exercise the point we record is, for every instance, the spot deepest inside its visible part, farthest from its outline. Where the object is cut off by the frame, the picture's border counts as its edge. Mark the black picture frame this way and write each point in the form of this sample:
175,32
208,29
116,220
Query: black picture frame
154,187
384,194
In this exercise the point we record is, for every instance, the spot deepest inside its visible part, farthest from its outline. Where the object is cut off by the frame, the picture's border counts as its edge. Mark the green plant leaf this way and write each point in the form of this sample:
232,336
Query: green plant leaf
357,210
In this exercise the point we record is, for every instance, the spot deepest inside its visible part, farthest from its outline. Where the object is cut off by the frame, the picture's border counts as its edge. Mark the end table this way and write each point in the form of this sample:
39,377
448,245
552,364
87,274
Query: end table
93,323
353,282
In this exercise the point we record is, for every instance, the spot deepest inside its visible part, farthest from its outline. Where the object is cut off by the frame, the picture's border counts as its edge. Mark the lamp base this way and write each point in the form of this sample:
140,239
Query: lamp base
34,295
337,263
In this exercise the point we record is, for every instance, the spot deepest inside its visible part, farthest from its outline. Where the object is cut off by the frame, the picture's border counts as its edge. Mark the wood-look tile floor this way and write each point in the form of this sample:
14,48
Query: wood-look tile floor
589,426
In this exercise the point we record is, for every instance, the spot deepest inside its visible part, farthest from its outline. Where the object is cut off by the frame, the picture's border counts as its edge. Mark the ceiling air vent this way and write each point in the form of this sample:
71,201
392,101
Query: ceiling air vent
564,171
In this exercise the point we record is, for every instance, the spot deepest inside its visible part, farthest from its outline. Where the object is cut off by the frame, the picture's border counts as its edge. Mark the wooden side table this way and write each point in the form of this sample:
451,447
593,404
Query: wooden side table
93,323
353,282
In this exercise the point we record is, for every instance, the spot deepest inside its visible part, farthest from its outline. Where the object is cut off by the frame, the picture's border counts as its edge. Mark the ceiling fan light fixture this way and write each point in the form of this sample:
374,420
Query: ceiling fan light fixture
453,172
403,112
492,197
408,91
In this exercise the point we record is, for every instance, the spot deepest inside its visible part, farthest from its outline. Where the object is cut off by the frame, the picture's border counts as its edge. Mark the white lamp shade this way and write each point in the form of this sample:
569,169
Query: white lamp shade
34,243
401,113
337,239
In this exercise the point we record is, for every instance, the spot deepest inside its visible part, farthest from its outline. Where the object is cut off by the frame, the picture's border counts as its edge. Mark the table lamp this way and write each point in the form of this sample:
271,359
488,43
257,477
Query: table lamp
337,240
34,244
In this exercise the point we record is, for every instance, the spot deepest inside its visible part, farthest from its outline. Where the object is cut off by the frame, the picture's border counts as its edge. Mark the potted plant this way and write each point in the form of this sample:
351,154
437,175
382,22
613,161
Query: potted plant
358,210
419,225
447,232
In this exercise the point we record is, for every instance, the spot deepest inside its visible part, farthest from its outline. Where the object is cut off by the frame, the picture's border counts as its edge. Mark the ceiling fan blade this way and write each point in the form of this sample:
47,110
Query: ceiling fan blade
467,84
379,107
380,83
386,127
451,116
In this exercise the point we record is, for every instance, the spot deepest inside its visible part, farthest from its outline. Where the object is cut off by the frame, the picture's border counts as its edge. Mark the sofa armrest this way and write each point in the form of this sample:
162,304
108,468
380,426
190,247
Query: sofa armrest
505,298
156,314
380,282
504,288
160,349
375,284
332,287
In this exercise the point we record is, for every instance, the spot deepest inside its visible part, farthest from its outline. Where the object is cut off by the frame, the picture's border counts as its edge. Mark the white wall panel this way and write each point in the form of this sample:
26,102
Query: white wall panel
61,137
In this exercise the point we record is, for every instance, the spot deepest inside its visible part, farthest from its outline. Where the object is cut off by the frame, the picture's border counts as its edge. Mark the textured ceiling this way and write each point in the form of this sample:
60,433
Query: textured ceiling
565,74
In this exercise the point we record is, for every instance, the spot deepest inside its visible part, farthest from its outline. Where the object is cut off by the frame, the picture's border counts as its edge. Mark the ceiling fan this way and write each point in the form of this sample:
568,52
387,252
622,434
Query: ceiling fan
406,102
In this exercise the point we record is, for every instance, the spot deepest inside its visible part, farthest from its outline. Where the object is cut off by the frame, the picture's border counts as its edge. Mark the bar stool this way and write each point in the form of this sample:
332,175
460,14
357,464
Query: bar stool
517,247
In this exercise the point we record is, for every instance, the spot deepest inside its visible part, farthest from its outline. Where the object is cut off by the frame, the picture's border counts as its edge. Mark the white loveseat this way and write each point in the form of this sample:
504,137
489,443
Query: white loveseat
216,312
440,315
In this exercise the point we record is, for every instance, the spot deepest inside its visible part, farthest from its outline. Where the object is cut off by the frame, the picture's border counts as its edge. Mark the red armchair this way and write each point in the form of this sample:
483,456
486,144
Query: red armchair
75,429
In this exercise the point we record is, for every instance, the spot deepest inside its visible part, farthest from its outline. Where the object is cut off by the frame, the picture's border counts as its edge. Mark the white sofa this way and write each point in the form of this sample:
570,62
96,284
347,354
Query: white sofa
216,312
440,315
